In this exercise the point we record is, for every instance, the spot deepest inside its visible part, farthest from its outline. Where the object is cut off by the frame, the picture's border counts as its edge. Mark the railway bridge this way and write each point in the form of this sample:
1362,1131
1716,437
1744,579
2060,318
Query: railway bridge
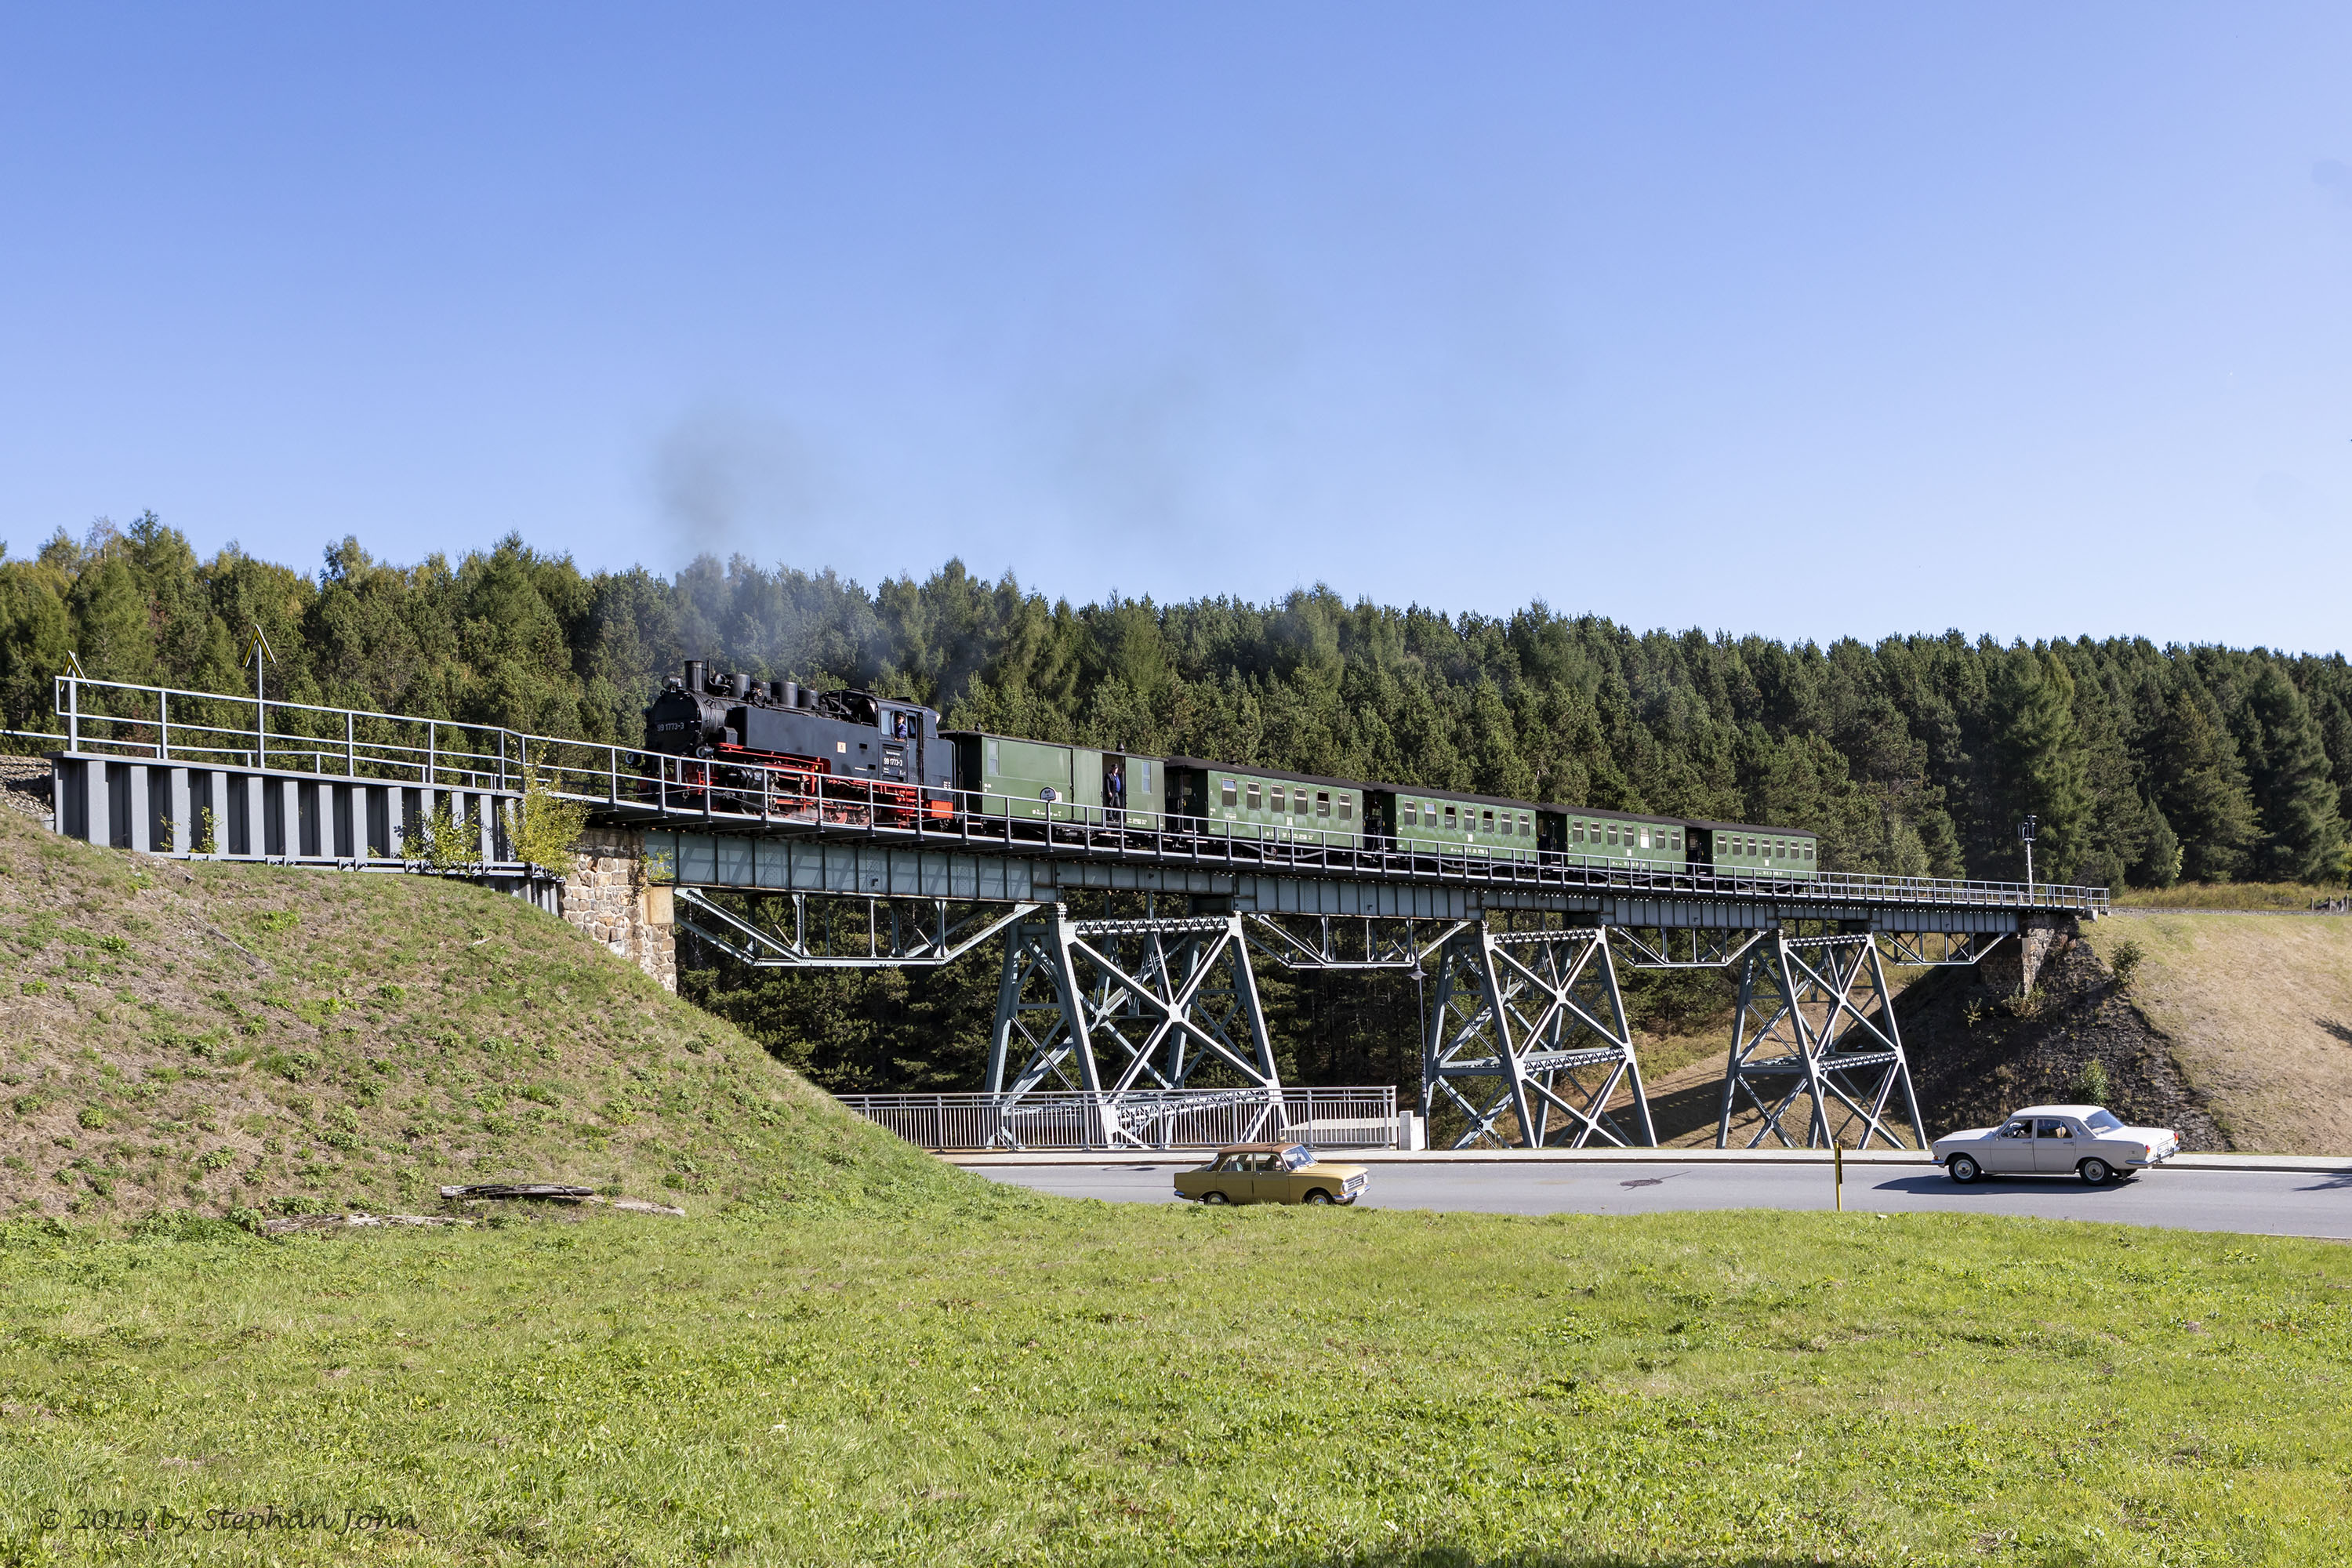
1130,948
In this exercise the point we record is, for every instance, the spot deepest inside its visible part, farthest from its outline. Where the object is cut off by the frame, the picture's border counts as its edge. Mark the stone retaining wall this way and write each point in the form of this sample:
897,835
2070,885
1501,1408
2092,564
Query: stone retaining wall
606,895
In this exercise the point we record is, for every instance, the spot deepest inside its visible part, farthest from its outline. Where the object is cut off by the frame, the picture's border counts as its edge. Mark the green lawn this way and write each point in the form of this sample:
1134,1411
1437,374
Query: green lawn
994,1376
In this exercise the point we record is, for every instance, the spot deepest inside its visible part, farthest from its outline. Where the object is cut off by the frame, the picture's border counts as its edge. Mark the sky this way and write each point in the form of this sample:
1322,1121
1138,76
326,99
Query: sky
1809,319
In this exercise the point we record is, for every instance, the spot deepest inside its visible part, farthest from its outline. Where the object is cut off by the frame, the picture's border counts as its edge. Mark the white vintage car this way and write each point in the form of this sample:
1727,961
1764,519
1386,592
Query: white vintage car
2056,1141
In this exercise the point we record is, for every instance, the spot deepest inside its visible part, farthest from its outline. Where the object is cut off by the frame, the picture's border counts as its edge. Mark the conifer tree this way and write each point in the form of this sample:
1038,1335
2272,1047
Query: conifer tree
2044,767
2200,787
2286,768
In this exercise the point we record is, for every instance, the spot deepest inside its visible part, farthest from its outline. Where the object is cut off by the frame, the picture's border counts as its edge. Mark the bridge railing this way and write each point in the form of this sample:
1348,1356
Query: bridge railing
1356,1118
658,789
165,725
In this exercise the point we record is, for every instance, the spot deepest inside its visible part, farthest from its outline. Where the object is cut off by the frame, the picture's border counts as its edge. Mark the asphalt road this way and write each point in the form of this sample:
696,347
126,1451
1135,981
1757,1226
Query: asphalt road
2258,1203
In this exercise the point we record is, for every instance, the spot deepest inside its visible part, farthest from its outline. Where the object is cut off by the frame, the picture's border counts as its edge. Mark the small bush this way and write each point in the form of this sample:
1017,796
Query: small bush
2027,1004
296,1204
218,1160
2091,1086
278,922
93,1117
2126,963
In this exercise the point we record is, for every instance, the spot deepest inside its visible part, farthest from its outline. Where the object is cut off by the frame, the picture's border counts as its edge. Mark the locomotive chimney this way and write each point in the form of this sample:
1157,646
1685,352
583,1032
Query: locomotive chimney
695,669
740,686
776,691
791,694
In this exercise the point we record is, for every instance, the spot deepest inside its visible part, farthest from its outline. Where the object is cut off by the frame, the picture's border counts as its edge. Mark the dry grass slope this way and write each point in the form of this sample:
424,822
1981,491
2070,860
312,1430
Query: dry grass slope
2259,1012
223,1037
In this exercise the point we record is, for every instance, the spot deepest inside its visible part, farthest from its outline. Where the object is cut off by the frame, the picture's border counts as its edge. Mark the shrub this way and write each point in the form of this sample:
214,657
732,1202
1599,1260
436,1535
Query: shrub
93,1117
218,1160
545,828
2091,1086
2028,1004
2126,963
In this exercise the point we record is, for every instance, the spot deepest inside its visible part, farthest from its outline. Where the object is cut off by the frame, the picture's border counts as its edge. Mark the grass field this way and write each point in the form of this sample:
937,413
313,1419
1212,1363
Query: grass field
996,1377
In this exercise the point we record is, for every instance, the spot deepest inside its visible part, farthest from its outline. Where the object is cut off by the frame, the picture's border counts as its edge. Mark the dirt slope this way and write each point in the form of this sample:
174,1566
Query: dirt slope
220,1037
2258,1010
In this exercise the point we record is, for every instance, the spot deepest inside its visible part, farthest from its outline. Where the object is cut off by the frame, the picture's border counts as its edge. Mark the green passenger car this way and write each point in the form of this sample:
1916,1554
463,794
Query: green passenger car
1043,781
1442,822
1587,836
1745,849
1234,802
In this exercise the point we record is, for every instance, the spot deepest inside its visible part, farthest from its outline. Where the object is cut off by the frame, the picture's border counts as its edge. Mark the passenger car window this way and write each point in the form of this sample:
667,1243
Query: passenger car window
2018,1129
1322,803
1256,798
2056,1129
1411,814
1449,819
2103,1122
1347,807
1278,799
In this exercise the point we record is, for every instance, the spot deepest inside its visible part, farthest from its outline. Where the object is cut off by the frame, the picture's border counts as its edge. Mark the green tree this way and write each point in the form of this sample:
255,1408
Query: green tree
2200,787
2043,771
2287,775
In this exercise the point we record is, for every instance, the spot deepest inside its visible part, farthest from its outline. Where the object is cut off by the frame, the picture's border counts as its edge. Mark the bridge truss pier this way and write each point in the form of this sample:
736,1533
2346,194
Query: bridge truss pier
1531,1025
1132,1007
1816,1023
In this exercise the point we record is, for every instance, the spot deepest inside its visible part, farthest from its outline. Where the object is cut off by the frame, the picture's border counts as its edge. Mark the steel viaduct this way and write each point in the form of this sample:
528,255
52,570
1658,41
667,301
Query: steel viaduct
1524,1036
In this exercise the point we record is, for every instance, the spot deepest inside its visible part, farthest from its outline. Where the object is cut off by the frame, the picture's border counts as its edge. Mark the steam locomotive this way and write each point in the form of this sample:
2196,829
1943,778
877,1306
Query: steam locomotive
833,756
851,758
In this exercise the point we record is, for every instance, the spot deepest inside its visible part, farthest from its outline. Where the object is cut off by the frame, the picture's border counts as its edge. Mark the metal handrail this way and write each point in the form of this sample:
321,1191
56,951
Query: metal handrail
660,789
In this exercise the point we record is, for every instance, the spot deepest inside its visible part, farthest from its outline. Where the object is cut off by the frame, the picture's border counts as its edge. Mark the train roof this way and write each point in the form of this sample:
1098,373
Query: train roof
1749,828
1252,770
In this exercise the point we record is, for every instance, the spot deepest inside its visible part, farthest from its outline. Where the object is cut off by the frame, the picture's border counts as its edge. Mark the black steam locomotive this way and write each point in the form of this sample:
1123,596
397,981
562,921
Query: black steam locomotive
829,756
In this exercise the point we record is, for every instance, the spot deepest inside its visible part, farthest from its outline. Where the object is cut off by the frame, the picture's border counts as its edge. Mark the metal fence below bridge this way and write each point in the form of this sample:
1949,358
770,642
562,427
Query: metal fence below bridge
1159,1118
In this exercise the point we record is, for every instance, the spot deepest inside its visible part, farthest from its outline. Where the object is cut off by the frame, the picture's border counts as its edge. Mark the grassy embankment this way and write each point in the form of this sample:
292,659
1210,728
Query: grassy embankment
193,1035
904,1364
2258,1012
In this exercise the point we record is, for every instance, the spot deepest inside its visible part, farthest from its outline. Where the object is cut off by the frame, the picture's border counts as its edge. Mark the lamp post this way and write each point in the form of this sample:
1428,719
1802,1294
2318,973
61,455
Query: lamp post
2025,831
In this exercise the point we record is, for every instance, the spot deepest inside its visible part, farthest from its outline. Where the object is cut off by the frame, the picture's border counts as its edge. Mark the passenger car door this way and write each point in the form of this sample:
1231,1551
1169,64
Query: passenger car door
1265,1178
2056,1146
2011,1148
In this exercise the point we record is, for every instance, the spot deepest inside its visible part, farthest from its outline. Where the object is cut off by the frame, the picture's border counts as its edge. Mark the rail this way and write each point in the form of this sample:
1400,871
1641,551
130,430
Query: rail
1363,1118
631,786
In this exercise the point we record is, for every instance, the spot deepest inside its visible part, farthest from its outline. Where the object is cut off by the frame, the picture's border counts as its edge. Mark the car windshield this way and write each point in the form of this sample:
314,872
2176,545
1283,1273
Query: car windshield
1296,1158
2101,1121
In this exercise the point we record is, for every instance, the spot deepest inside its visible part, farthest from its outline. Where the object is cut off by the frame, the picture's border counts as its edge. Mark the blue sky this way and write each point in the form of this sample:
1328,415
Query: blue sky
1807,320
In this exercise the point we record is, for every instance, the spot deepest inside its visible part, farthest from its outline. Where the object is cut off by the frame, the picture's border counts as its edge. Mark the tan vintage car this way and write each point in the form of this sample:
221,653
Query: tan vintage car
1272,1173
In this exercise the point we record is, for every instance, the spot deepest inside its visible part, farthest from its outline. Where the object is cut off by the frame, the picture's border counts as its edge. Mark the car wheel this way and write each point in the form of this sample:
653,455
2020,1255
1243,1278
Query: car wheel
2095,1171
1318,1198
1963,1168
1218,1198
